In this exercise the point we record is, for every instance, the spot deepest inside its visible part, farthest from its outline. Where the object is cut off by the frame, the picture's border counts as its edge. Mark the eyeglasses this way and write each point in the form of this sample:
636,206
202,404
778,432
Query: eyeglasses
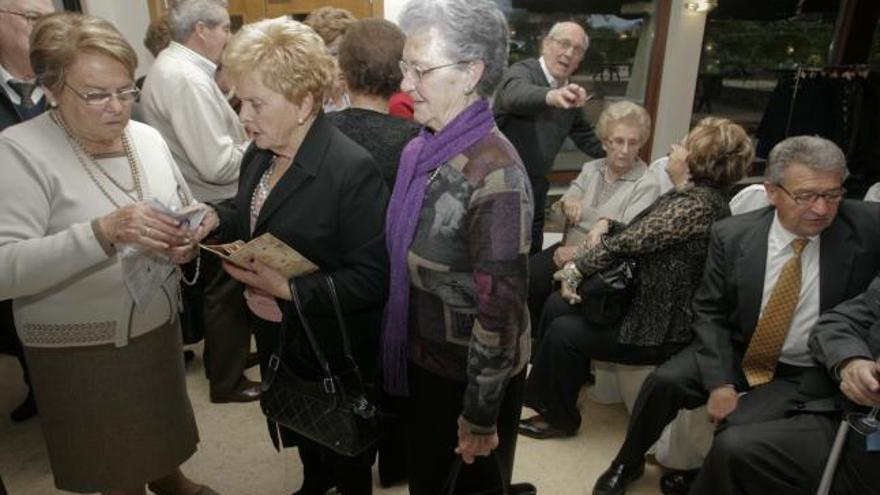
567,44
100,98
416,73
809,198
30,17
621,143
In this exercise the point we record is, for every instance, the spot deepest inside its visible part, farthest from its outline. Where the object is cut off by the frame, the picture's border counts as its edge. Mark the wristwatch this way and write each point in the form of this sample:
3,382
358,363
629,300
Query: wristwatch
572,275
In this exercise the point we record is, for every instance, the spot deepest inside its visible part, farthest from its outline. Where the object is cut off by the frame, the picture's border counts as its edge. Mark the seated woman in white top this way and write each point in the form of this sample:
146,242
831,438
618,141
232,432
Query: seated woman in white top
616,187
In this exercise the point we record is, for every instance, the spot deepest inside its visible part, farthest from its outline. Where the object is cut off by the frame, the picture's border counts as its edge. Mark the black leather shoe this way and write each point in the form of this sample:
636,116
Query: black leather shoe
678,482
26,410
536,427
247,391
614,480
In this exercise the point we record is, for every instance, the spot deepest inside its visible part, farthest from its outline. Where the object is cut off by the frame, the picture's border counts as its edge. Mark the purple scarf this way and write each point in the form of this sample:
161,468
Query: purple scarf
422,155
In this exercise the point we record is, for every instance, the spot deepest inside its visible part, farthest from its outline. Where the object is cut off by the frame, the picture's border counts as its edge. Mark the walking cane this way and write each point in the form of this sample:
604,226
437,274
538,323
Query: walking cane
833,459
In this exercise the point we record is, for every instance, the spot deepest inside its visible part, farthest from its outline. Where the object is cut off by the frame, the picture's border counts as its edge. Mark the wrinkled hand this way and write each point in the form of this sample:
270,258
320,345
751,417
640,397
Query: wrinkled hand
722,402
568,96
572,210
185,254
563,255
594,236
141,224
860,381
471,446
566,291
209,222
677,168
261,278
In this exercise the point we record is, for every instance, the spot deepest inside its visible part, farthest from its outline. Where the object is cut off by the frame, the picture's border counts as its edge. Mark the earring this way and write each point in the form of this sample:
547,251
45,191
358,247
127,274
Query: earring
300,121
468,90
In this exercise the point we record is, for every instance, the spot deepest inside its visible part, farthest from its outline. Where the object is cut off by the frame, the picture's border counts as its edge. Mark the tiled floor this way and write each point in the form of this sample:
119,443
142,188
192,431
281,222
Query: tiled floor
236,458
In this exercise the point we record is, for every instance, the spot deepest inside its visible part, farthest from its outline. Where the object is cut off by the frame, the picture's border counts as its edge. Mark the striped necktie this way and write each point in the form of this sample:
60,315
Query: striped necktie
759,362
25,90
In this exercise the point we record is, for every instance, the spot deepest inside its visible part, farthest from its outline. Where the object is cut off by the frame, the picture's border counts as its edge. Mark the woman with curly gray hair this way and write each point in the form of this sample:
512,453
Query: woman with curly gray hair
456,327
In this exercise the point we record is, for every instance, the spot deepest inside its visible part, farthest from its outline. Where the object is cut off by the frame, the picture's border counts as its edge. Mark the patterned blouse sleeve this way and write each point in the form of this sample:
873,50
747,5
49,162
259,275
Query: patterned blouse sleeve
682,217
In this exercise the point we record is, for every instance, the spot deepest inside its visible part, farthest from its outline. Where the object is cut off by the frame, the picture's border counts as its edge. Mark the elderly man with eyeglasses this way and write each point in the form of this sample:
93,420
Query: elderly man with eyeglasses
537,107
20,99
183,102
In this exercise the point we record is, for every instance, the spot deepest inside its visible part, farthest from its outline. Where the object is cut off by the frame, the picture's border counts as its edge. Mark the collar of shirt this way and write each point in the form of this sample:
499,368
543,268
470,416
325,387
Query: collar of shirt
178,50
550,79
780,238
5,77
635,172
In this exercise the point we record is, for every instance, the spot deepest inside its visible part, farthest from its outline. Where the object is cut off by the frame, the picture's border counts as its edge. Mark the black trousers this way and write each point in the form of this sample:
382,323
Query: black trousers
561,364
9,341
432,420
763,448
541,270
540,188
227,327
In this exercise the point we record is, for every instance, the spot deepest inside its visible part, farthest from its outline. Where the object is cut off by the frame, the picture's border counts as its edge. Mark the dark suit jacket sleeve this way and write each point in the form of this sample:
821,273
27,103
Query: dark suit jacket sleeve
850,330
520,93
584,137
362,272
712,325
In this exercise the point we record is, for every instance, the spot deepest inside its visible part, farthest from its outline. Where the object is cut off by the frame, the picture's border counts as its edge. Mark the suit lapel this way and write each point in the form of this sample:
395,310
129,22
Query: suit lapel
751,264
304,167
835,262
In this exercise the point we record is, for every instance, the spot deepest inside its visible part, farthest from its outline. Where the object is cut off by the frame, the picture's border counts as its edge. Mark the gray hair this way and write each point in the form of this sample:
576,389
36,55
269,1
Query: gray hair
555,31
185,14
813,152
470,30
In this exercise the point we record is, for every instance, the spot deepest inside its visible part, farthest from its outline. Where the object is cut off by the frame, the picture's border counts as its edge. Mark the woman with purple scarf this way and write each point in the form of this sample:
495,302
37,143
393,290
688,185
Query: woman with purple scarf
456,325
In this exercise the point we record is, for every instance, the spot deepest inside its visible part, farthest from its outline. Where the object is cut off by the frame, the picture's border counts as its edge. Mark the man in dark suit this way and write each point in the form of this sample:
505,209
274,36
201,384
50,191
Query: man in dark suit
844,341
536,107
20,99
768,276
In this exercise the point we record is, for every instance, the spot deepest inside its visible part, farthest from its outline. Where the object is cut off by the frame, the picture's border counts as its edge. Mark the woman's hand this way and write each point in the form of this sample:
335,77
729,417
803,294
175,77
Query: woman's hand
572,210
567,292
141,224
261,278
677,168
471,446
563,255
209,222
594,236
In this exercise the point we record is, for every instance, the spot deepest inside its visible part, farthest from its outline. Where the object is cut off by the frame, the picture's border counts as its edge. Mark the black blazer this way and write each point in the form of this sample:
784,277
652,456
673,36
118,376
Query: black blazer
535,129
330,206
728,302
8,114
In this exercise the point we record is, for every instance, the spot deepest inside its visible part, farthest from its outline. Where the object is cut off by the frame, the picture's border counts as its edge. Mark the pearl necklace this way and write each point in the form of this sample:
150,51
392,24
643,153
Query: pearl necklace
85,157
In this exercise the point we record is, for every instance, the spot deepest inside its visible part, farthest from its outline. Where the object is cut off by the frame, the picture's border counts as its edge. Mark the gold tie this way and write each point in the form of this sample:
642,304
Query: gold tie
759,363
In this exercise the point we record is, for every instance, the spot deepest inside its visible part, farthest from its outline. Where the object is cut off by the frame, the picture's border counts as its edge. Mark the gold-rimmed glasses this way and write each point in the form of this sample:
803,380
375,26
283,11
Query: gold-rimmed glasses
100,98
416,73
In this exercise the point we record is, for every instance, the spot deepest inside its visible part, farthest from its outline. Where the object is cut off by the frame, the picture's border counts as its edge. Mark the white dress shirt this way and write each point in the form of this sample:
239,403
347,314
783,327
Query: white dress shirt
779,250
5,77
550,79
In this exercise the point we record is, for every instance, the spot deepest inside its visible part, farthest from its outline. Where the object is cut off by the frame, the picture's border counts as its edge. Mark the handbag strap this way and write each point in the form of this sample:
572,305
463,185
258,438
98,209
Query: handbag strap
452,478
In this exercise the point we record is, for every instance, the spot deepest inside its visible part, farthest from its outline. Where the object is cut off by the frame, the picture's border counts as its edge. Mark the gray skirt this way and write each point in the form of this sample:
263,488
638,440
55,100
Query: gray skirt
114,418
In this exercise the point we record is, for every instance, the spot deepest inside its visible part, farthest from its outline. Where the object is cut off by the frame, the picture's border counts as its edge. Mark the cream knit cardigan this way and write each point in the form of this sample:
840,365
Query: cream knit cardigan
67,291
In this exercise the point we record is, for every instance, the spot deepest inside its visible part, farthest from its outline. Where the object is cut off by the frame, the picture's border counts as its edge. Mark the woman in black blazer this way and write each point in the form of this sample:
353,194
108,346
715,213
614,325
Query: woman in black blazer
310,186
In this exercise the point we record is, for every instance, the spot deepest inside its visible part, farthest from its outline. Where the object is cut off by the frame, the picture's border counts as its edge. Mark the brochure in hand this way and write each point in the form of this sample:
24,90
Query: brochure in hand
269,250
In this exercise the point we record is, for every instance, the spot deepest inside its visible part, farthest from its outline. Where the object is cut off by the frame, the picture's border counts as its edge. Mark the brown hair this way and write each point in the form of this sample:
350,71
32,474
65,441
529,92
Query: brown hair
369,57
58,38
329,22
719,152
158,35
287,56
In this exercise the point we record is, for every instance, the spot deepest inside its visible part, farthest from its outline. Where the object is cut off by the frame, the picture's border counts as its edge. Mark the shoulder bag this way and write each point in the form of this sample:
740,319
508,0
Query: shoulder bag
332,411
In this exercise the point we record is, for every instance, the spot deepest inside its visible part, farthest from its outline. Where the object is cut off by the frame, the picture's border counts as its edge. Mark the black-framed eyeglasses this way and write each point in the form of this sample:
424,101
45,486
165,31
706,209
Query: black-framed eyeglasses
99,98
416,73
809,198
30,17
567,44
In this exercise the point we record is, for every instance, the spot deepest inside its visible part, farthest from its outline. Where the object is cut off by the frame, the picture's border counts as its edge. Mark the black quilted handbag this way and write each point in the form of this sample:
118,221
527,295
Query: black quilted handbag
333,411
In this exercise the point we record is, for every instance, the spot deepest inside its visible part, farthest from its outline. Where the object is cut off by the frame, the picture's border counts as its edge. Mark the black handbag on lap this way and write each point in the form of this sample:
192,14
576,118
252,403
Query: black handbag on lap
332,411
606,295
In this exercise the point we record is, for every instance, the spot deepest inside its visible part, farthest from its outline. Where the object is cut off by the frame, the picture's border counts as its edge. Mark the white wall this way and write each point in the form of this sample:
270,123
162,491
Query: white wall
680,66
393,8
131,17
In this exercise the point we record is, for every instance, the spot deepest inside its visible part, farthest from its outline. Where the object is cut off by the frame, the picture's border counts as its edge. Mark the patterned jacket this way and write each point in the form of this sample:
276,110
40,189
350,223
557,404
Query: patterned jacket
468,270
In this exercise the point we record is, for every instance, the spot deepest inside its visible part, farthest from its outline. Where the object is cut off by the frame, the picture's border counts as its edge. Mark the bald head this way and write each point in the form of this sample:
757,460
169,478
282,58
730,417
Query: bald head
16,20
564,48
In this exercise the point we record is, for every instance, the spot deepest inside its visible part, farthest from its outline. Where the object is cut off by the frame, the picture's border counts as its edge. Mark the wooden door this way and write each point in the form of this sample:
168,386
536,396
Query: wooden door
301,8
